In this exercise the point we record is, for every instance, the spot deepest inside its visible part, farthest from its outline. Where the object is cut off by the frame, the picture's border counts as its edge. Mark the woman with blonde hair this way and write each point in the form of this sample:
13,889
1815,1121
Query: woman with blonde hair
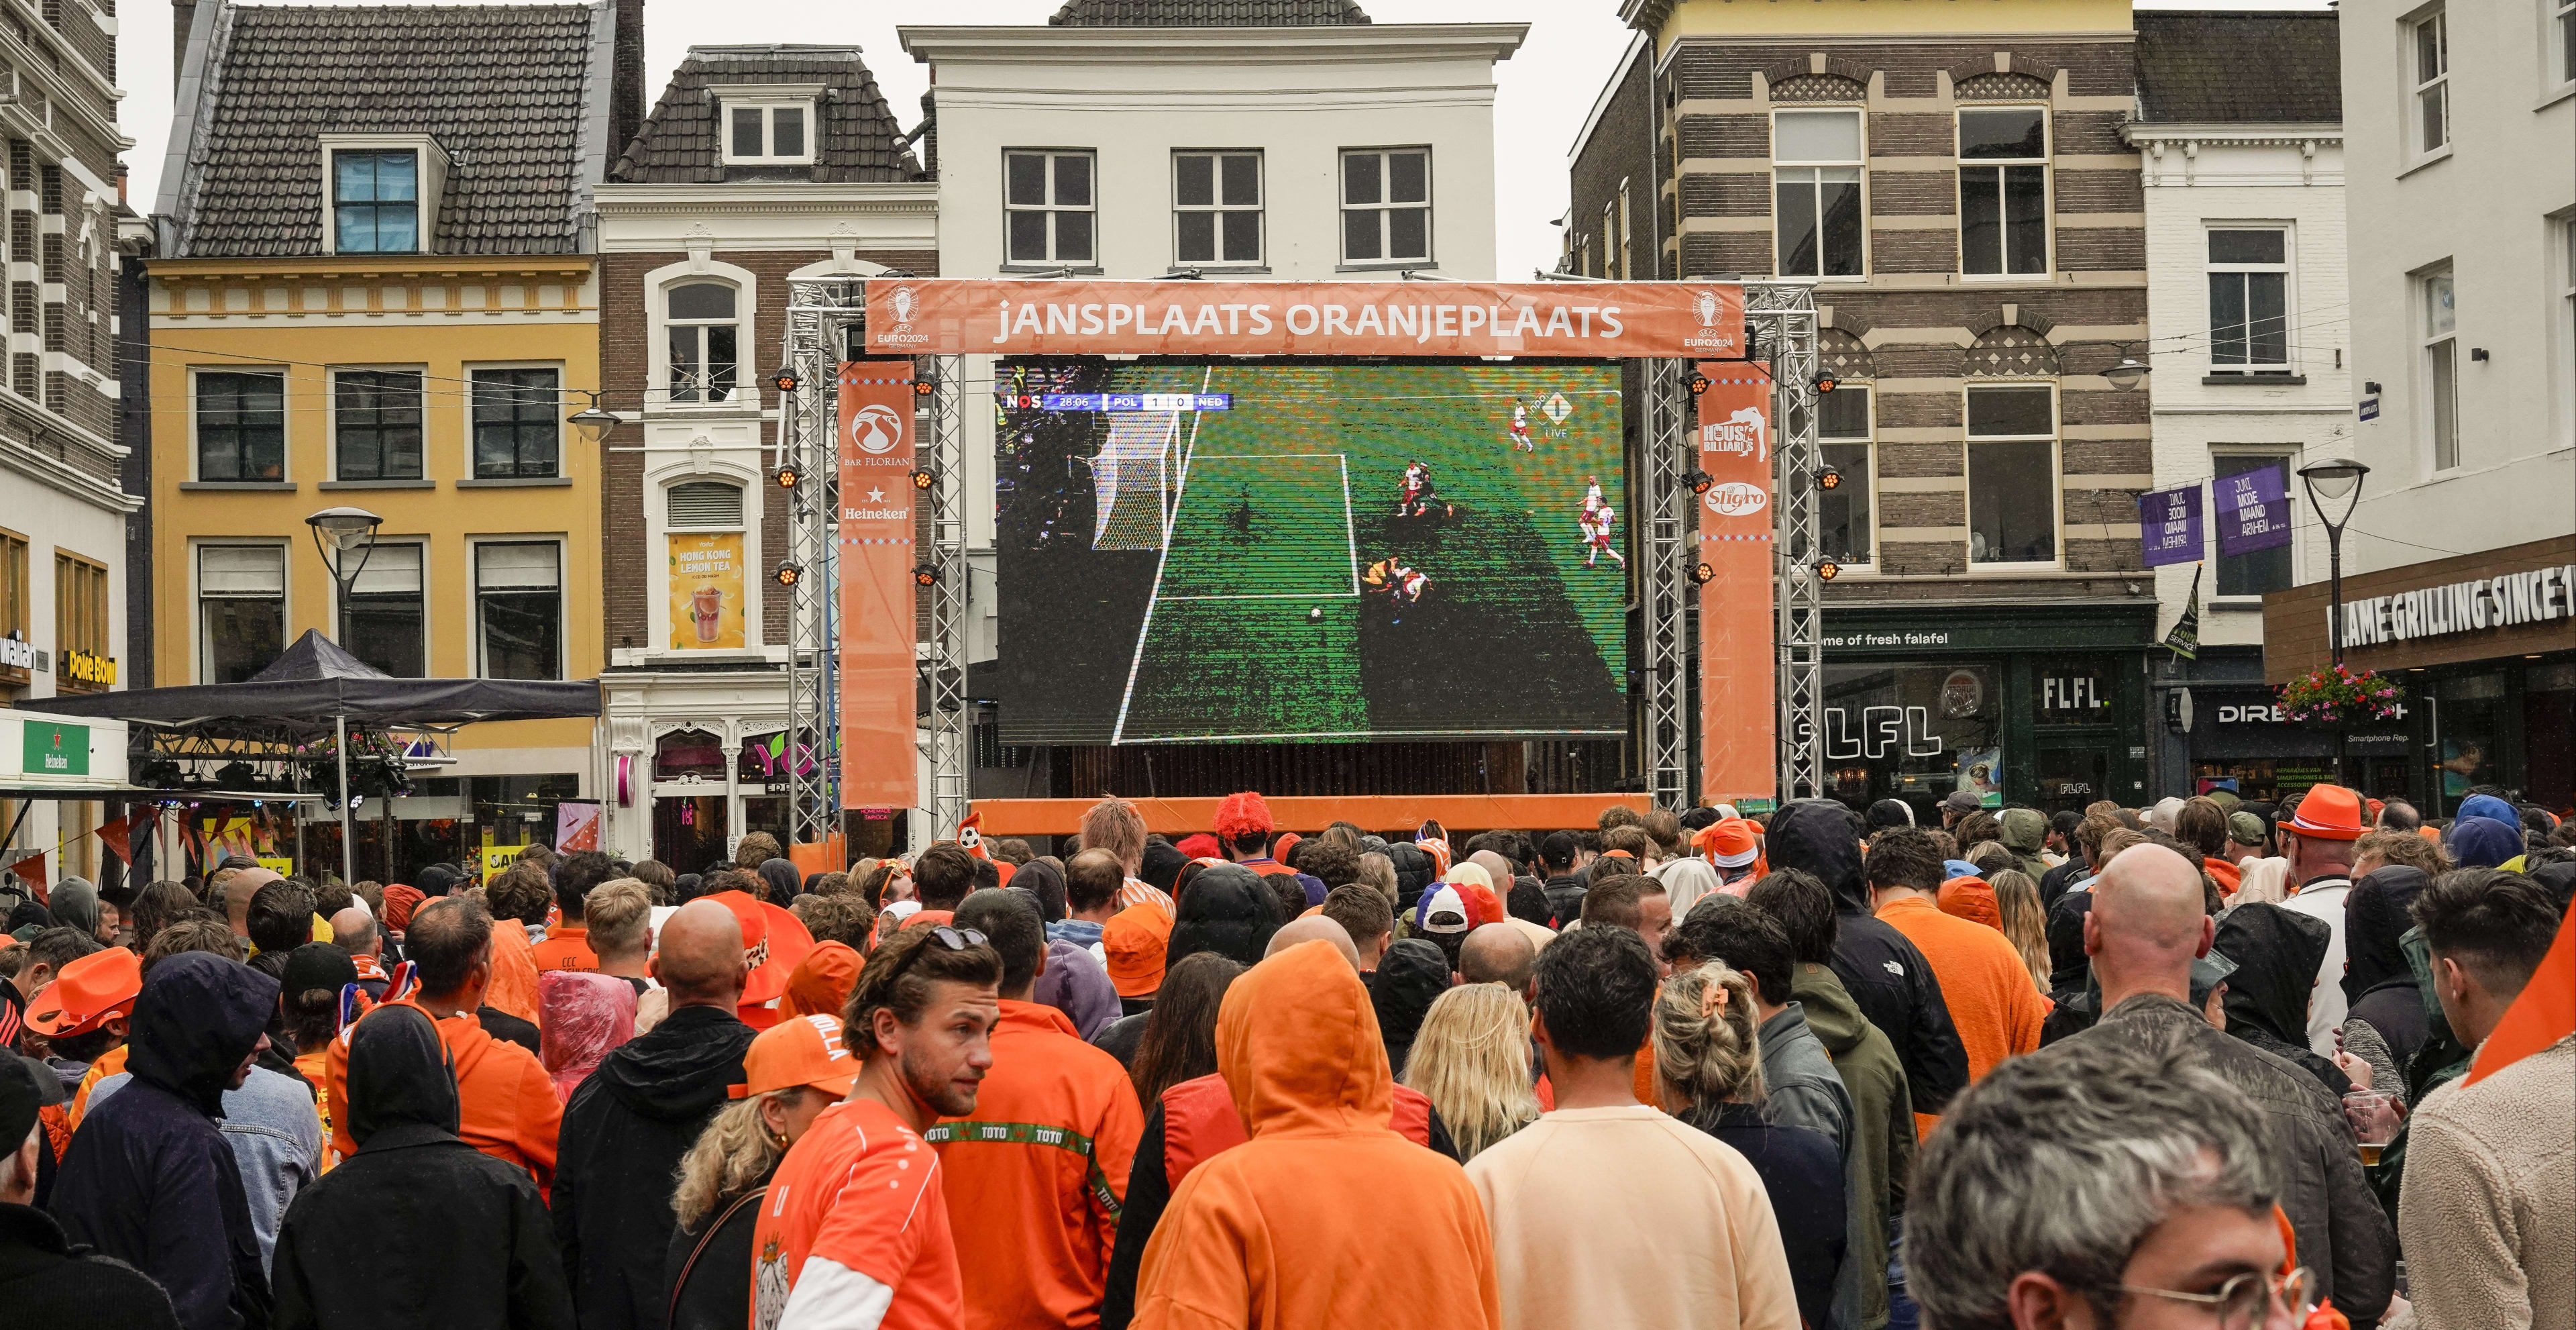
1708,1068
792,1072
2025,920
1471,1059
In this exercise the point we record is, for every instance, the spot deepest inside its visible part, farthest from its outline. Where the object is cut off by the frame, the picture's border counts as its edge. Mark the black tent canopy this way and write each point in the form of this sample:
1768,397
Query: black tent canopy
314,684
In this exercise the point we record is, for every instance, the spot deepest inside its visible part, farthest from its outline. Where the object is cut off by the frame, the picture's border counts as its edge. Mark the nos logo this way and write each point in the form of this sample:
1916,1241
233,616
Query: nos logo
1737,499
876,429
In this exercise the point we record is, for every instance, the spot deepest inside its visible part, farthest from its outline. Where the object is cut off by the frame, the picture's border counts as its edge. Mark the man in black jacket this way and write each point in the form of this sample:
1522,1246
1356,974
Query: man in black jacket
1556,856
149,1178
628,1125
417,1230
44,1280
1885,974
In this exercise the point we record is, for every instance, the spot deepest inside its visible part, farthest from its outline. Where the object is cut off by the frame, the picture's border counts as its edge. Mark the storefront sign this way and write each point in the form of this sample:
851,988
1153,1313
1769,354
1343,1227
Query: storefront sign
2169,525
2510,600
17,653
53,748
931,316
82,667
2075,697
1739,714
2253,511
706,591
878,555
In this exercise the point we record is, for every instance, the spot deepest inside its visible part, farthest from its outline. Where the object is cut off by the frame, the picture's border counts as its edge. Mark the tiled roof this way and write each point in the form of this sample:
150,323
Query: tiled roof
502,88
1208,13
860,140
2200,66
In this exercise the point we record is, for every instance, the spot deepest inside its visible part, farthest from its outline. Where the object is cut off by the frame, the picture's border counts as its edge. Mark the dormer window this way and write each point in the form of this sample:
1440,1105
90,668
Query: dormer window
375,202
767,126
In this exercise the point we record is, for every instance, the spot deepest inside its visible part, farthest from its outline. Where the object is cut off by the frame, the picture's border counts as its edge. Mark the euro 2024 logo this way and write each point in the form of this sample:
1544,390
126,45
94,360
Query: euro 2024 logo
903,302
876,429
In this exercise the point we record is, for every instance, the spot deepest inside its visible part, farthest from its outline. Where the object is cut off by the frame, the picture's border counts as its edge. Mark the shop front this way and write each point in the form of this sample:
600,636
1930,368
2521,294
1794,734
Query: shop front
2485,647
2235,737
2022,705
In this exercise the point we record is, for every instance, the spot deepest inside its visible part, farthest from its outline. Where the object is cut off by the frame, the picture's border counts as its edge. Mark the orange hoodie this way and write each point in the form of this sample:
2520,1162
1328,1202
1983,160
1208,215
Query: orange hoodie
514,972
1988,990
1322,1218
2230,875
508,1107
1044,1157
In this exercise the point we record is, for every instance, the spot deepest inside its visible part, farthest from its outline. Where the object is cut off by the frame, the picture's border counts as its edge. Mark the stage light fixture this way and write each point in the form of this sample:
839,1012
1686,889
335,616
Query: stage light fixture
1702,575
1698,480
787,477
1829,570
923,387
922,480
1828,478
1698,384
785,379
1826,382
924,575
789,574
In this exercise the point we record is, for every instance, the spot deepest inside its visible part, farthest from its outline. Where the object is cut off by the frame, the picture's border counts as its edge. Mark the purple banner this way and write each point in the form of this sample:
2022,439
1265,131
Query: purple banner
2169,525
2254,510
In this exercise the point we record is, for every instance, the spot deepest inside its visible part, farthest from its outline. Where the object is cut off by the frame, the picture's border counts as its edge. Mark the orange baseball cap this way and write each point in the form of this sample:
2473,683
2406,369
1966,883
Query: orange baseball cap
2330,812
1135,939
802,1050
86,992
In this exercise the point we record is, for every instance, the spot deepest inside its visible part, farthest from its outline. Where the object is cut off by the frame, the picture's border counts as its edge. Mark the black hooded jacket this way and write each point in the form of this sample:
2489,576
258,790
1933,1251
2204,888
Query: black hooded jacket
1227,910
1410,977
149,1178
1413,872
417,1230
2377,982
1885,973
623,1135
2277,954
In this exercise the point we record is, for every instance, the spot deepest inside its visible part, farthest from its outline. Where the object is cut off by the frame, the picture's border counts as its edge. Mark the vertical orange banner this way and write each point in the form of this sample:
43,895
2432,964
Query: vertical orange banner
878,767
1738,662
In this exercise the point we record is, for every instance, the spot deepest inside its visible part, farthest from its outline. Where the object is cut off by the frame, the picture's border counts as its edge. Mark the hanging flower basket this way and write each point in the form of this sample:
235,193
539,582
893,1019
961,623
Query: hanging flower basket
2336,698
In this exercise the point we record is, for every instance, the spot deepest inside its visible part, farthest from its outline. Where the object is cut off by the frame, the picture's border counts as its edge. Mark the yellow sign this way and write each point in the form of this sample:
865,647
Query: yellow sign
81,667
498,858
283,867
706,591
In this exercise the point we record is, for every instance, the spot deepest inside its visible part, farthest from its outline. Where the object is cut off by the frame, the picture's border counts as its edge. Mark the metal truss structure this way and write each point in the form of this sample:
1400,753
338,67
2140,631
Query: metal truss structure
825,317
1780,333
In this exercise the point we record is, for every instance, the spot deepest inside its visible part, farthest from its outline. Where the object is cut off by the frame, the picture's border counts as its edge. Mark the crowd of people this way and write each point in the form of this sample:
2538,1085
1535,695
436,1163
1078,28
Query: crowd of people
2206,1063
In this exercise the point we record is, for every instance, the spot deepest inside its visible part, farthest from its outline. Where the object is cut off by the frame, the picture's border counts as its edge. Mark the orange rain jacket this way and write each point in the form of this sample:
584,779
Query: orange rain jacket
508,1107
1320,1220
1043,1157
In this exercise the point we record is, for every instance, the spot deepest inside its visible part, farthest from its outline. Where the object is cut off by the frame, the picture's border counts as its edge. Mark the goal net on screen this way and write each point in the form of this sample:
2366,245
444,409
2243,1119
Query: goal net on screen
1135,478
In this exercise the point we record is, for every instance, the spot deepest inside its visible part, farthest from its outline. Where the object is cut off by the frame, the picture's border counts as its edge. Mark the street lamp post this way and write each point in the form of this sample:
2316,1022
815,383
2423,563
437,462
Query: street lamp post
337,534
2335,481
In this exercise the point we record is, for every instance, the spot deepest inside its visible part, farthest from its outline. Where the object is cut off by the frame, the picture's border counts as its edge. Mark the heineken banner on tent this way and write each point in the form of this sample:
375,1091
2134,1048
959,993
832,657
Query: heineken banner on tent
1739,720
877,558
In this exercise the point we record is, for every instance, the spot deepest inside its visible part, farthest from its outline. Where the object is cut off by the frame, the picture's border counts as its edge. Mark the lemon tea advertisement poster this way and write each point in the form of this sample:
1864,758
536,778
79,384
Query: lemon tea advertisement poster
706,592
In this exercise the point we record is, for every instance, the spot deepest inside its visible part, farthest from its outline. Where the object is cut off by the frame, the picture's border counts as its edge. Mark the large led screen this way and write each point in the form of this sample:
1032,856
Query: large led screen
1319,552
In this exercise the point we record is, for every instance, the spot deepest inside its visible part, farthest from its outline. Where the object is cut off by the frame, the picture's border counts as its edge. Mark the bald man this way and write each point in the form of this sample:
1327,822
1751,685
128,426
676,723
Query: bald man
1496,867
1499,954
1308,929
627,1126
2146,927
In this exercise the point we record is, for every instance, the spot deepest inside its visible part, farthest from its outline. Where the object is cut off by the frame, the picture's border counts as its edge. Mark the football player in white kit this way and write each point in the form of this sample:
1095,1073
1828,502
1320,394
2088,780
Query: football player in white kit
1592,500
1521,428
1597,524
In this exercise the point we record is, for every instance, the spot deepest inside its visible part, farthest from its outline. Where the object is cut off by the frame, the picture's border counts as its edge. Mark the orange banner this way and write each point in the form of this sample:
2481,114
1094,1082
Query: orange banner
1738,662
1590,319
877,557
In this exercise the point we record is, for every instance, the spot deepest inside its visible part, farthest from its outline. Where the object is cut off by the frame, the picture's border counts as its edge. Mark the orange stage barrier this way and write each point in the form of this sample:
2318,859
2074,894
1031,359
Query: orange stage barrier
1377,813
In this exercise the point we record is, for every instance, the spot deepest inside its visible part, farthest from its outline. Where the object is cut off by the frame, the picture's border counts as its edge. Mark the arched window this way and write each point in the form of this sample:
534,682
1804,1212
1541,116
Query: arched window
704,335
688,753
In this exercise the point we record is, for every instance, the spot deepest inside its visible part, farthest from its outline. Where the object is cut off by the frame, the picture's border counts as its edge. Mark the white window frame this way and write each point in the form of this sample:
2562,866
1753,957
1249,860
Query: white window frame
286,411
2558,43
2056,441
1859,164
735,460
430,166
339,608
1867,442
2438,366
1219,208
706,393
2563,252
331,428
657,320
768,99
474,547
1053,258
2047,192
563,454
2288,267
2220,454
202,667
1627,253
1386,208
2427,88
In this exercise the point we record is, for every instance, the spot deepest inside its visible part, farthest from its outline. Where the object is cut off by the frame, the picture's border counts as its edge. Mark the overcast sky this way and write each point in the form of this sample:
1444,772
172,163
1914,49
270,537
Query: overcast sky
1542,93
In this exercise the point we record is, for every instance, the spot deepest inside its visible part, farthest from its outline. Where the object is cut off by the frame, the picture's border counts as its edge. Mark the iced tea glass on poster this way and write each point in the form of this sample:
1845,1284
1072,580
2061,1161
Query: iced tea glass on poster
2373,1116
707,604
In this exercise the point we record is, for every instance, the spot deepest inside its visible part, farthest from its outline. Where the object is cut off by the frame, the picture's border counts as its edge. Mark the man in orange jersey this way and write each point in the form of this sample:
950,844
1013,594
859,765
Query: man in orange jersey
1295,1229
855,1230
1997,1010
508,1107
1046,1152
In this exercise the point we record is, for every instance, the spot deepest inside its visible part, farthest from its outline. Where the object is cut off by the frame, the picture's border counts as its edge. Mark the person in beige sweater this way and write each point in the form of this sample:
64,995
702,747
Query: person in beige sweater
1590,1204
2488,1212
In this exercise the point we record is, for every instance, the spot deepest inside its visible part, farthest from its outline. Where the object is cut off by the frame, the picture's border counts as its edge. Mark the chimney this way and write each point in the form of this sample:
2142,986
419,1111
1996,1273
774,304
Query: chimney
183,15
626,81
